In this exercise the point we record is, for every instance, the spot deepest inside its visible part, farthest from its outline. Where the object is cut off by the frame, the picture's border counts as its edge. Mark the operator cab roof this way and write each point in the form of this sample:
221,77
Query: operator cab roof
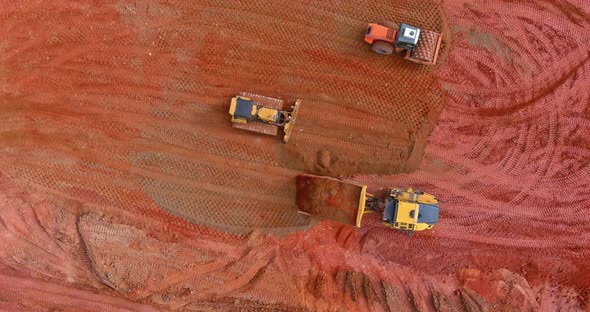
243,108
407,37
428,213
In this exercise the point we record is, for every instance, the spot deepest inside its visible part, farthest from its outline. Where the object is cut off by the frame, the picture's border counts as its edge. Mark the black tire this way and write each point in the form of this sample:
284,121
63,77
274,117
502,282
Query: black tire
382,47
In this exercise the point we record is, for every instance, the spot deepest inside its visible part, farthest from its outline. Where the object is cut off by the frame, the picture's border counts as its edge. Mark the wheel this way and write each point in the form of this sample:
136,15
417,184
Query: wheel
382,47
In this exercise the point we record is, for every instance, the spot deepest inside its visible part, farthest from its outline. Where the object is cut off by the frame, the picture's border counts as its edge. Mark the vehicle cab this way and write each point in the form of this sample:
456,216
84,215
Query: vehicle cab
410,210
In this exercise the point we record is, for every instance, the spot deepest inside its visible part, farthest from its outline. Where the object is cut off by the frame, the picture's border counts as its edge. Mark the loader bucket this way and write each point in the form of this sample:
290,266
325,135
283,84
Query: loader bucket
330,199
291,123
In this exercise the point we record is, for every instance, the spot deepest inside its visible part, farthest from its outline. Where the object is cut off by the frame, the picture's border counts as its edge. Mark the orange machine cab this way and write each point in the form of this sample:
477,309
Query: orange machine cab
380,32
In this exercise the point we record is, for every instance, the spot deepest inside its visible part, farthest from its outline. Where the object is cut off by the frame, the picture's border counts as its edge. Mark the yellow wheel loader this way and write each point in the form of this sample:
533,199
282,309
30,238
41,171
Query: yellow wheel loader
332,199
262,114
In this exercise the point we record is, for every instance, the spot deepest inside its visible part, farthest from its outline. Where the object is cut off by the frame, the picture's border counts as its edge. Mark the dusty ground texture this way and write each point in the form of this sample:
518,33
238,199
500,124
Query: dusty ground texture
123,186
126,104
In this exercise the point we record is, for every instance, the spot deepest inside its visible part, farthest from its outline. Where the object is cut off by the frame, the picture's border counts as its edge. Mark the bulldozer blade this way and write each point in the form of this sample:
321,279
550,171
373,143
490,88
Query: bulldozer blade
330,199
291,123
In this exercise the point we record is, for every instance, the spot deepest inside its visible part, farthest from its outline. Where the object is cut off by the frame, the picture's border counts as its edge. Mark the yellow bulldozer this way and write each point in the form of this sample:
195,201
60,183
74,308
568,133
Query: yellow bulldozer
262,114
327,198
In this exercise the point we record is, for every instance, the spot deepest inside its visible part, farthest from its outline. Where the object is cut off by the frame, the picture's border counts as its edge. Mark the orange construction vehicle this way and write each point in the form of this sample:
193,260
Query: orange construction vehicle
421,46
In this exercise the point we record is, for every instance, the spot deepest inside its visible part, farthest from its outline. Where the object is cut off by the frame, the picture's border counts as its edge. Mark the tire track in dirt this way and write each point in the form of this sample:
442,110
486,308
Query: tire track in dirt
506,169
498,173
197,278
27,294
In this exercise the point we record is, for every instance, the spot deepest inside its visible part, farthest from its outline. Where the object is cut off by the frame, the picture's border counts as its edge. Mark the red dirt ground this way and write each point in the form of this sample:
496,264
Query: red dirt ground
117,193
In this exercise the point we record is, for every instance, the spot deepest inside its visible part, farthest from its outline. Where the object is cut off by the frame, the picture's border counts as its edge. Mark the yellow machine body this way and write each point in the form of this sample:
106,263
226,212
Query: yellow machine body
410,210
262,114
405,222
253,112
267,114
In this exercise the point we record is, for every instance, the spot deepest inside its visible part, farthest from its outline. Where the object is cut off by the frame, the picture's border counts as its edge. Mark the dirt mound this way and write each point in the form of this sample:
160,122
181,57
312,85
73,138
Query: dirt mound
502,289
329,199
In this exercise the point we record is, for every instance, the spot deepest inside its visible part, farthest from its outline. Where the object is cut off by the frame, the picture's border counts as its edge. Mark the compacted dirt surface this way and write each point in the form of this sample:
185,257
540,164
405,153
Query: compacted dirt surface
123,186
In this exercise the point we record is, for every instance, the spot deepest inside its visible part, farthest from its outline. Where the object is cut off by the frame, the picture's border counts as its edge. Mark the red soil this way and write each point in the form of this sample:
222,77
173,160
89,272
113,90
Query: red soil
123,186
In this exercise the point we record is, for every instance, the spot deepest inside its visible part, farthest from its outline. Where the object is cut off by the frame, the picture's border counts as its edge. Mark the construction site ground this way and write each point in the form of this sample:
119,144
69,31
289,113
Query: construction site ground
123,185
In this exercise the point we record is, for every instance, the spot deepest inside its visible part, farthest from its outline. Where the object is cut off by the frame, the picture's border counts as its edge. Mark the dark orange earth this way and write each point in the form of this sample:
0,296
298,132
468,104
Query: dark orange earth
124,187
